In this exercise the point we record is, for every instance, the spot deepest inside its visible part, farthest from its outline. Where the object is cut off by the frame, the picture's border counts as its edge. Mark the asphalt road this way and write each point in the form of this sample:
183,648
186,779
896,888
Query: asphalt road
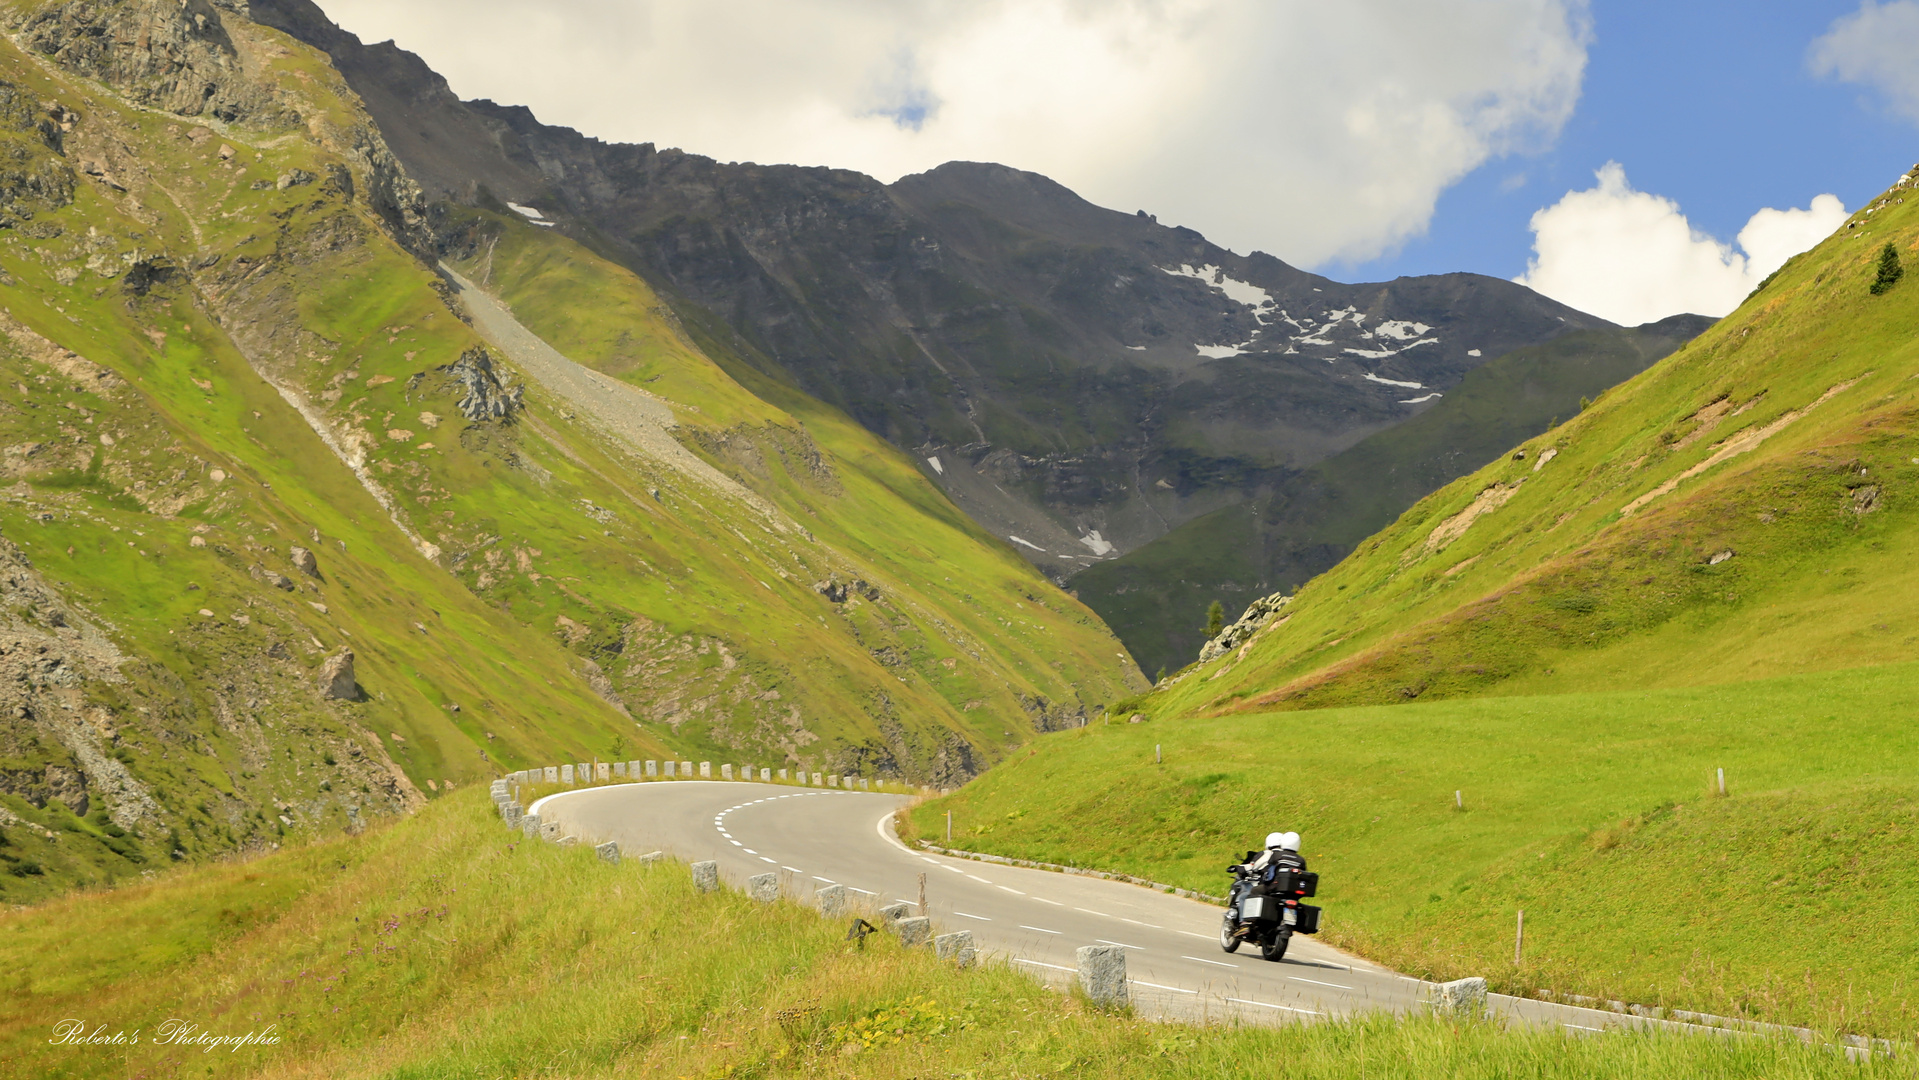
1035,919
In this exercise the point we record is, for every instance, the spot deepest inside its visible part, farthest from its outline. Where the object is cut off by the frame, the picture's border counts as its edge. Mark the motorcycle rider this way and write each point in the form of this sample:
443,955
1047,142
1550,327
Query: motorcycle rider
1282,853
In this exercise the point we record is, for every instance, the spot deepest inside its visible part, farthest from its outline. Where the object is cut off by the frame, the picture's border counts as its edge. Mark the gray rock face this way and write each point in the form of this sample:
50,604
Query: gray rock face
485,395
832,900
1102,974
706,876
608,852
1243,629
1460,997
763,887
304,561
336,677
914,931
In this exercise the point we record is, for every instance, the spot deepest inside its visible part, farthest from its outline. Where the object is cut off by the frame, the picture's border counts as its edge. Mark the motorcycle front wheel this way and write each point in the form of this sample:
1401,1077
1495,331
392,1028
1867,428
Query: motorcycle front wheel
1226,939
1276,948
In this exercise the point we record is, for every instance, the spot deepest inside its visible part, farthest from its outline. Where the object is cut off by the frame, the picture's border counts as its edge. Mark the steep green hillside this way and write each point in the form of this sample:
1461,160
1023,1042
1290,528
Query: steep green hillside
1711,567
392,954
290,544
1740,510
1286,533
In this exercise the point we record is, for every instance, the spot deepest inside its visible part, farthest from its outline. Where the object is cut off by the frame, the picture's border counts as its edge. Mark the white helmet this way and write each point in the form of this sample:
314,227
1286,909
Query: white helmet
1287,842
1278,839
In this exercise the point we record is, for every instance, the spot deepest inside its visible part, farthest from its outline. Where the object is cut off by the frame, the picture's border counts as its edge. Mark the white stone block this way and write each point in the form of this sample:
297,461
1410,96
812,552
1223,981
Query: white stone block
619,769
706,876
832,899
913,931
816,780
669,769
782,776
832,779
706,770
652,858
608,852
1102,974
726,772
566,774
763,887
1460,996
653,769
552,774
530,826
957,947
766,775
602,770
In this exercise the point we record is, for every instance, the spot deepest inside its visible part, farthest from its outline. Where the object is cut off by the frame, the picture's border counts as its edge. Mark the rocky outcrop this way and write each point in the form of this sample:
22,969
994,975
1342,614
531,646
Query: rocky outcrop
336,677
304,561
1242,630
173,55
484,394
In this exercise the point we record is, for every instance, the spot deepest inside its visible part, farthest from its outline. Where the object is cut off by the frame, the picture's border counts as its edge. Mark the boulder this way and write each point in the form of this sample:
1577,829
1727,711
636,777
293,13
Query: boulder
336,677
303,561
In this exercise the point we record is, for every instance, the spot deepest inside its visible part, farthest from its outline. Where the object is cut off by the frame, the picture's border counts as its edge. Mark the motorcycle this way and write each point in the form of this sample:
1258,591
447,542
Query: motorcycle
1269,911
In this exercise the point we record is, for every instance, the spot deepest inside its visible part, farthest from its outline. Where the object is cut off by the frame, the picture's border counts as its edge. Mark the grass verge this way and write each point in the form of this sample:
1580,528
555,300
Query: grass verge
438,946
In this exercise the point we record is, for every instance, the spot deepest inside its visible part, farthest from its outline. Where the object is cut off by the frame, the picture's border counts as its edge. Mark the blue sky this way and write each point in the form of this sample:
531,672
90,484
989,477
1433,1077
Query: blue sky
1709,103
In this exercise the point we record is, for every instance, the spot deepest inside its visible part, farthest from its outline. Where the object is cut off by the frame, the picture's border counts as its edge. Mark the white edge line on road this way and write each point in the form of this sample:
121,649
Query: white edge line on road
1316,982
1040,963
1136,922
1216,963
1582,1027
1041,929
1209,937
970,915
1156,986
954,869
1269,1005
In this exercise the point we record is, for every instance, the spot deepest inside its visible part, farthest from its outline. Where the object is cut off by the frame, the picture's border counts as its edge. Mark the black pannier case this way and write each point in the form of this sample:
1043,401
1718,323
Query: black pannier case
1308,920
1295,883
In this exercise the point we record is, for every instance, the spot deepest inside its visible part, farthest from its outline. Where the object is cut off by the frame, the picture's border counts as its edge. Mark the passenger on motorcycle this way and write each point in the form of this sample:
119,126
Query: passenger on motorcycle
1282,853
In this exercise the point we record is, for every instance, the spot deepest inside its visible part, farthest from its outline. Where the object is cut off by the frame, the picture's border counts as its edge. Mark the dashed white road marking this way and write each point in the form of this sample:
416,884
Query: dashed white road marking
775,862
1202,937
1316,982
1015,892
977,878
1156,986
795,869
1090,911
1041,963
1136,922
1041,929
970,915
828,880
1215,963
1121,944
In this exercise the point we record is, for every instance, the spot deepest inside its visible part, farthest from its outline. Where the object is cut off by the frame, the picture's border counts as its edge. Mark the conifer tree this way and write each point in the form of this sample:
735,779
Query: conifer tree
1215,620
1889,269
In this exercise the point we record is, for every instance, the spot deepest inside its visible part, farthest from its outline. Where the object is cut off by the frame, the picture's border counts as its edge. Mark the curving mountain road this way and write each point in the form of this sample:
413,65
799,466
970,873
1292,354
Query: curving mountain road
1035,919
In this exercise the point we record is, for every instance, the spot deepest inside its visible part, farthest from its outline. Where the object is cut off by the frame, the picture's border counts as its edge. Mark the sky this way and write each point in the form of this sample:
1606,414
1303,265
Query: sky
1630,158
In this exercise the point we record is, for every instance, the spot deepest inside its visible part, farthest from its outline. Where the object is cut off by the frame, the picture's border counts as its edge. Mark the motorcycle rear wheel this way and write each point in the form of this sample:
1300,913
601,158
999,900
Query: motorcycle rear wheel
1226,939
1275,949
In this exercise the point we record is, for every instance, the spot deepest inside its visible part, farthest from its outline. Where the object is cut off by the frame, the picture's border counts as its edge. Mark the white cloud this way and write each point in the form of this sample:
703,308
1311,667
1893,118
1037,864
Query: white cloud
1877,46
1317,131
1632,257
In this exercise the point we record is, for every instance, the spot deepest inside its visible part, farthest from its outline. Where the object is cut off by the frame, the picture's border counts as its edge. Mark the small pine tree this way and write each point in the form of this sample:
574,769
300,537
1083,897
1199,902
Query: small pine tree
1215,620
1889,270
1159,678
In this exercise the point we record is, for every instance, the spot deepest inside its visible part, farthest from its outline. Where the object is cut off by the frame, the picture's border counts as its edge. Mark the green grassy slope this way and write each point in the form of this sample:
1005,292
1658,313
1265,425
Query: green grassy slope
1155,598
1595,813
1710,567
441,947
218,346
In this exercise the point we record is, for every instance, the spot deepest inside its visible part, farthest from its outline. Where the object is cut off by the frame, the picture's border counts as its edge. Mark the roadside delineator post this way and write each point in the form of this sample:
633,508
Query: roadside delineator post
1722,783
1460,997
1102,974
1519,937
706,876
